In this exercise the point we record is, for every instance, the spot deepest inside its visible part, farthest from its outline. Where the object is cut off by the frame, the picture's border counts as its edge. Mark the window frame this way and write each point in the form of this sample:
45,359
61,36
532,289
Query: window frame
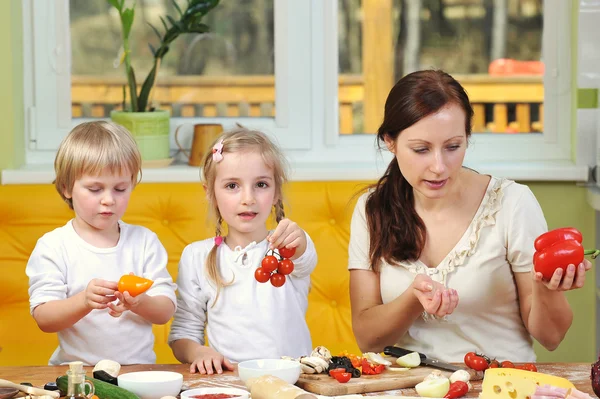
306,121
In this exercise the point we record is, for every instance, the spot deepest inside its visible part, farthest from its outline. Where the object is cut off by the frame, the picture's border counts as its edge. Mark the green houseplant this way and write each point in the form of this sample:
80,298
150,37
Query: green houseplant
149,126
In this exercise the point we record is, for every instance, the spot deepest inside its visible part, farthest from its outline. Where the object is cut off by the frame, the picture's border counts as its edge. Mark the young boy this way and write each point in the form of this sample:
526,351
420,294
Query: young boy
74,269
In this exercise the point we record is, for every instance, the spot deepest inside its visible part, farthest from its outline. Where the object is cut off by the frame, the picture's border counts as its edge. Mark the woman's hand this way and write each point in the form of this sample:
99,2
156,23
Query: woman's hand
99,293
288,234
210,360
573,278
433,296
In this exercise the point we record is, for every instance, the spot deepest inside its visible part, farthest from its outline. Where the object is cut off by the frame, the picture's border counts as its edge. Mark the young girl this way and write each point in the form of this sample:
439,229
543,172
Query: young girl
243,178
74,269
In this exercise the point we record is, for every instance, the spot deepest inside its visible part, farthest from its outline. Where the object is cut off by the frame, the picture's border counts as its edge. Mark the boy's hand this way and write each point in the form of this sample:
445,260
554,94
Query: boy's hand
126,302
288,234
210,359
99,293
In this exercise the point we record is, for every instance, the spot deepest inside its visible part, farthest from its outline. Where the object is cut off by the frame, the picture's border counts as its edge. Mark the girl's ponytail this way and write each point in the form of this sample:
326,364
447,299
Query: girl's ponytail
212,264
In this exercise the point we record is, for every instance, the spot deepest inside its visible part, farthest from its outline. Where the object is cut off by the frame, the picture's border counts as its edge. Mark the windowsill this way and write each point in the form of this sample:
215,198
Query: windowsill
182,173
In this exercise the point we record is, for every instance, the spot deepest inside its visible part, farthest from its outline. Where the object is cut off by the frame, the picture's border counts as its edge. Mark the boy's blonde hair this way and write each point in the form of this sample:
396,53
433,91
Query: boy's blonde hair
92,147
239,140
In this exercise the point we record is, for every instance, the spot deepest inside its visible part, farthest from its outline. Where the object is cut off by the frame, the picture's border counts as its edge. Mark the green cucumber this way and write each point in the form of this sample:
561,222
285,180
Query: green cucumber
102,389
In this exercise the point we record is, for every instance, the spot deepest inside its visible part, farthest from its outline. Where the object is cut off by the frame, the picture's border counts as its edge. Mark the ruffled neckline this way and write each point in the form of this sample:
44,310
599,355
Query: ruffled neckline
466,246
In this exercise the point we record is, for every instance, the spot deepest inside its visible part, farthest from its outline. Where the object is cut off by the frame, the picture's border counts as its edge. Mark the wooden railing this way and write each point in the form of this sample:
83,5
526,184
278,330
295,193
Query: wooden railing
501,105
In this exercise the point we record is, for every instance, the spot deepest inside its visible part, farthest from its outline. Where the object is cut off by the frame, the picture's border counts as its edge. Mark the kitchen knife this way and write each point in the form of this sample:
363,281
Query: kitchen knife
425,361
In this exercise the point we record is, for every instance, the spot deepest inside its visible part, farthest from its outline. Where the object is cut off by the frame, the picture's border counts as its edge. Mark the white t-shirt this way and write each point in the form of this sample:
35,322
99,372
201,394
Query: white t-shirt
250,320
62,264
497,243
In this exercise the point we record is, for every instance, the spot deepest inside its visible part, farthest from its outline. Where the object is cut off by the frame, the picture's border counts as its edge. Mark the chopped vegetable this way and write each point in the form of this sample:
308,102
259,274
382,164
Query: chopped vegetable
411,360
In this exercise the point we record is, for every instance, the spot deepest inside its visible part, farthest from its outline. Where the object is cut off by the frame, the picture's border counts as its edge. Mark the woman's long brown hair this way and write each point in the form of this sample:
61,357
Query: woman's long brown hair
396,232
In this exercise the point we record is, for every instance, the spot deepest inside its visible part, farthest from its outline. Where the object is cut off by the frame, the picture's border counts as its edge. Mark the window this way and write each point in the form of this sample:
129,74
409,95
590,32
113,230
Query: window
313,80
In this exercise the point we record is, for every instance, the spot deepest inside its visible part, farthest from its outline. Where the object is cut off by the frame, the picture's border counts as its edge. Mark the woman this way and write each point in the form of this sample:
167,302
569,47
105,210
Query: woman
431,231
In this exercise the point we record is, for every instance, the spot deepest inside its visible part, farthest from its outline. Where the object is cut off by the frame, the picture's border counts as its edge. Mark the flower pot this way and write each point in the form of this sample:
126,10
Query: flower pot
150,130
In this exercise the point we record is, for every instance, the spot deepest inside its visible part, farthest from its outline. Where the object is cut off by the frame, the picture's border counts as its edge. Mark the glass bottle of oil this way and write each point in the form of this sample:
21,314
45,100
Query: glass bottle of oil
77,382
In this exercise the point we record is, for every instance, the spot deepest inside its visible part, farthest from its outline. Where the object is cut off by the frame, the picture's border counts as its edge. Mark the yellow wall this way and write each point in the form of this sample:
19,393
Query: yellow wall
563,203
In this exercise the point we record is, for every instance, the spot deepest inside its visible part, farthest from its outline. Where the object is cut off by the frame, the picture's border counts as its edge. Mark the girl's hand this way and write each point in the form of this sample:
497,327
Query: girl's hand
99,293
433,296
288,234
573,278
126,302
210,359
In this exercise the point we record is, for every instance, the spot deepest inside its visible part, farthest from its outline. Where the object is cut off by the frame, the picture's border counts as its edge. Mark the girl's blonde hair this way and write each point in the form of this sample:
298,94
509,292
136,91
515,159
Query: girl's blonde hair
239,140
92,147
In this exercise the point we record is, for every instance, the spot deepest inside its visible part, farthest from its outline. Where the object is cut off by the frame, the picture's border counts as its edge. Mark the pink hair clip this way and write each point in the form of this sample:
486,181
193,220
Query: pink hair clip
217,152
218,240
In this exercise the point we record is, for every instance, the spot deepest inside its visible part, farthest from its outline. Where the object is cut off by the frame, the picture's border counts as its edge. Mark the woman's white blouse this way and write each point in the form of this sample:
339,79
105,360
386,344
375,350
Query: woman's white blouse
497,244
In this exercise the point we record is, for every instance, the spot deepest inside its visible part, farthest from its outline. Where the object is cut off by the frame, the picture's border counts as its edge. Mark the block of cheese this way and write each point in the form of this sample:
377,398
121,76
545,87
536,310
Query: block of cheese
507,383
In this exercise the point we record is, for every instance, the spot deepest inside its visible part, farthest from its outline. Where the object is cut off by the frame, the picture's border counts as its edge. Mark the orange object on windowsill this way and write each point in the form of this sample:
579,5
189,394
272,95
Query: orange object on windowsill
508,67
135,285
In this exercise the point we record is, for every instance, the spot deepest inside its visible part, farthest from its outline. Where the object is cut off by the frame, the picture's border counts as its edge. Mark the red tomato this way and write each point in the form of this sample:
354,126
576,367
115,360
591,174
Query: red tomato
476,362
528,367
277,279
507,364
261,275
269,263
494,364
285,267
333,372
342,377
287,252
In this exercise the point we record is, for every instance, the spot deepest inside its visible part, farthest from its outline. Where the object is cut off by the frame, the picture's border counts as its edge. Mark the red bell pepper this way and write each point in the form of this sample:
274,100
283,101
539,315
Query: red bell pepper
457,390
552,237
371,369
559,248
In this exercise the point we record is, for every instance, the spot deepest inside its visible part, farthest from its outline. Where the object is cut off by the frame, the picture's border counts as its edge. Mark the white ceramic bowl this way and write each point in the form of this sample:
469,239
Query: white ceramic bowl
242,394
287,370
151,384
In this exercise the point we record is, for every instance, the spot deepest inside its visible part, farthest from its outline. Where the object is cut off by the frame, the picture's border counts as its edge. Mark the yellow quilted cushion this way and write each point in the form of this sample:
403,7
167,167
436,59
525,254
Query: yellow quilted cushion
178,214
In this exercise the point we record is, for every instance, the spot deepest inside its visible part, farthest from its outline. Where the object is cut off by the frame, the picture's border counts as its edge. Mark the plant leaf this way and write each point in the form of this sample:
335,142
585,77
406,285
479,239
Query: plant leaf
127,20
164,23
176,24
146,87
156,31
177,7
132,89
201,7
198,28
115,4
152,49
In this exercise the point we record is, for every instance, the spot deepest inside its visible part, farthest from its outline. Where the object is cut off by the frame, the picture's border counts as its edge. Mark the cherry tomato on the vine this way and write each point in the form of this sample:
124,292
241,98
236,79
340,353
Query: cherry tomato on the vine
285,267
277,279
507,364
287,252
528,367
476,362
261,275
269,263
494,364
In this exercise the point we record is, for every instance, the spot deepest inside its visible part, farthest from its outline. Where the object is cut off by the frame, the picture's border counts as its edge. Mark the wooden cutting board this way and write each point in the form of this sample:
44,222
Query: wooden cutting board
323,384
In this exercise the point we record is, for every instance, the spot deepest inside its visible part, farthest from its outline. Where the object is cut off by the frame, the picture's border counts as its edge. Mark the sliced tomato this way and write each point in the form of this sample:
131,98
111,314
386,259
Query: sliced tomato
333,372
343,377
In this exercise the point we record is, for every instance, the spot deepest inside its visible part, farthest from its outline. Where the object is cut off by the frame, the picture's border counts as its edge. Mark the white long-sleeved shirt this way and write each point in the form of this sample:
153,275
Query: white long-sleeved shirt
62,264
250,320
